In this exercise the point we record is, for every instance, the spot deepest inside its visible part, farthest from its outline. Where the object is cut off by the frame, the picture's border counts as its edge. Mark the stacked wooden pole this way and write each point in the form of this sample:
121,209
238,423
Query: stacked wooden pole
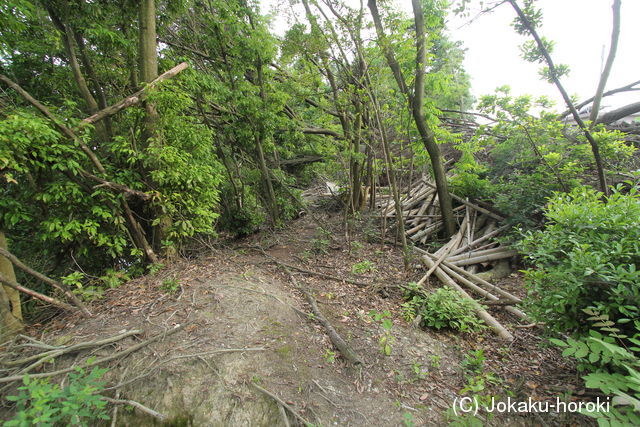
456,263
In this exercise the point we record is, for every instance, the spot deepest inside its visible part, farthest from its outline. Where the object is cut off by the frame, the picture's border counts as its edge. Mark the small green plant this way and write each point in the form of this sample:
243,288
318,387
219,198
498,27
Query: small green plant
476,387
473,363
407,419
82,287
155,267
435,361
329,356
386,339
112,278
613,366
320,244
444,308
418,371
44,404
362,267
356,246
170,286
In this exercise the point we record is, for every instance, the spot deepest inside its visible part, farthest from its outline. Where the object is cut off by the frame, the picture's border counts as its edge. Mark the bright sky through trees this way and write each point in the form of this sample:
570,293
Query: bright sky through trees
580,28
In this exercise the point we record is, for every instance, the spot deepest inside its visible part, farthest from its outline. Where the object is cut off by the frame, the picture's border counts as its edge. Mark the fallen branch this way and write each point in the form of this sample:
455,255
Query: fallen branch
138,406
481,312
53,353
336,339
15,285
65,290
282,404
133,99
101,360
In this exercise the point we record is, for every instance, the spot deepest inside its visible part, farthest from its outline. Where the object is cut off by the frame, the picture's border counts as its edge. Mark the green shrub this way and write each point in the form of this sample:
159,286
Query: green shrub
613,366
44,404
444,308
363,267
586,256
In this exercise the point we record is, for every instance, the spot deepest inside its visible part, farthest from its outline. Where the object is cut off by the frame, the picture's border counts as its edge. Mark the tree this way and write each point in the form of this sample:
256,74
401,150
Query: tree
10,307
415,101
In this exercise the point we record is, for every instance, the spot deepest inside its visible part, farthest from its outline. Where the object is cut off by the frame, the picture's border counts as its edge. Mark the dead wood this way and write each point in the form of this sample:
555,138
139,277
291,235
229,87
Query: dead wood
453,243
482,282
15,285
139,406
481,312
344,348
59,351
61,287
477,253
506,253
484,293
479,240
476,207
282,404
102,360
133,99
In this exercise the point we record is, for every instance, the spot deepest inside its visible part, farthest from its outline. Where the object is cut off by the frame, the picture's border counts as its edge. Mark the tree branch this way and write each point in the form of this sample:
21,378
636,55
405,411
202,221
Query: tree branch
565,96
64,289
615,35
133,99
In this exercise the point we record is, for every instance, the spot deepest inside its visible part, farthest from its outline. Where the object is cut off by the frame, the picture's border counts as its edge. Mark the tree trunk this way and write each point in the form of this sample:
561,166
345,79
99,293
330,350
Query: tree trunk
148,57
10,307
415,102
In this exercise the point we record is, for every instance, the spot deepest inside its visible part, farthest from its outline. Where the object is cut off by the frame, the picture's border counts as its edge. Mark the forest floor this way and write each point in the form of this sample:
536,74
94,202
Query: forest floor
243,328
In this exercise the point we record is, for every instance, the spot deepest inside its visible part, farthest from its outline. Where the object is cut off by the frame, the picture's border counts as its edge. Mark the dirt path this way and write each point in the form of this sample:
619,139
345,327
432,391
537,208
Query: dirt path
244,327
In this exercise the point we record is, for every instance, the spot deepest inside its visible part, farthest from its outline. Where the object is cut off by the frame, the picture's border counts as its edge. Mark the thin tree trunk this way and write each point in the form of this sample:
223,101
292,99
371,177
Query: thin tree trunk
415,102
10,307
615,35
148,57
565,96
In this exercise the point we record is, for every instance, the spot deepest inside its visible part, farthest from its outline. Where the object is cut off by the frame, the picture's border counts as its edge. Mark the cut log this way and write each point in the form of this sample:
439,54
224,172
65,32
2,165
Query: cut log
481,281
486,294
477,253
507,253
473,205
480,240
481,312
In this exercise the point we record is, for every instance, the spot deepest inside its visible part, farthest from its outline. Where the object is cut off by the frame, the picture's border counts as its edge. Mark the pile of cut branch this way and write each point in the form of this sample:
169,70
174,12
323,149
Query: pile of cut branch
472,248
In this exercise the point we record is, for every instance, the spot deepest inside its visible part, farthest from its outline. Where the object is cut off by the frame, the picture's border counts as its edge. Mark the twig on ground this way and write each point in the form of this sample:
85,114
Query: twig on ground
281,403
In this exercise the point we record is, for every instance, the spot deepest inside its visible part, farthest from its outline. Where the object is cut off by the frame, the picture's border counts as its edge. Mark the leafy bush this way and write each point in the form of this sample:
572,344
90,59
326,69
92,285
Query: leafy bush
362,267
531,156
613,366
586,256
44,404
444,308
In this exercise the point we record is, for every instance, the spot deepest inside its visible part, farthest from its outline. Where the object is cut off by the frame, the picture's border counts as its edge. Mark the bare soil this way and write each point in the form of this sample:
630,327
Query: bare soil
242,329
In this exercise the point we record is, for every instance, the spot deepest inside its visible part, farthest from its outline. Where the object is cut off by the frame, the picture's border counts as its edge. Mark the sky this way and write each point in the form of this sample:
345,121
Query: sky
581,30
